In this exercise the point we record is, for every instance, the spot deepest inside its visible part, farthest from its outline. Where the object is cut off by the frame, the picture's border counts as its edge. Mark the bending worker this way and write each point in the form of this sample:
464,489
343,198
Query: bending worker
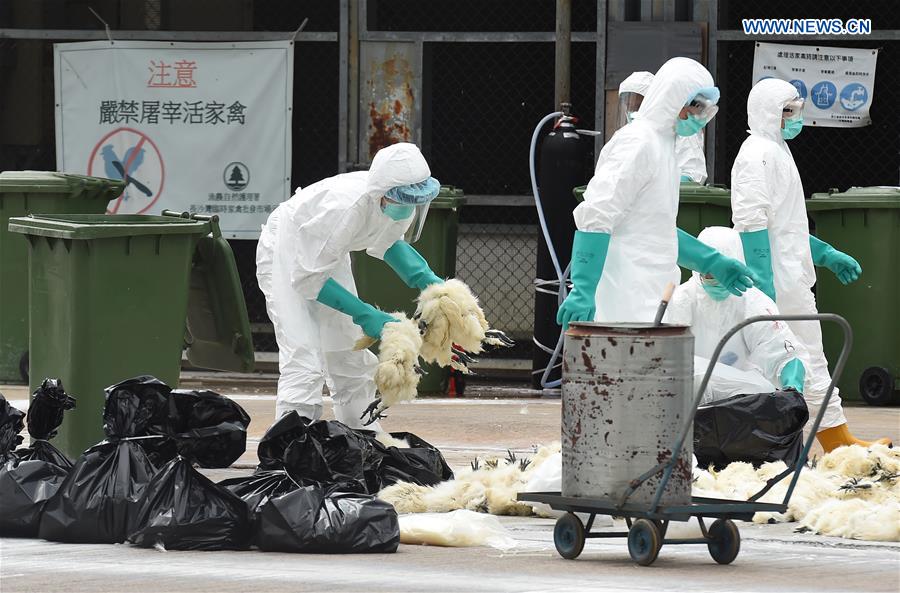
770,349
626,247
689,157
769,212
303,269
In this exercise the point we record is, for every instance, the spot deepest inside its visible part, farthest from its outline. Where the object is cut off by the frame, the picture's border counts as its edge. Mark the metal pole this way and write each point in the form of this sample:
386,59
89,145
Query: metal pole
600,83
563,92
343,81
353,83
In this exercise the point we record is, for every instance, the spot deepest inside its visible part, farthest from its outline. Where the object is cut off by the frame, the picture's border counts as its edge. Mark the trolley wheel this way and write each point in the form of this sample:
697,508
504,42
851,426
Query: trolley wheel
724,541
568,536
876,386
644,542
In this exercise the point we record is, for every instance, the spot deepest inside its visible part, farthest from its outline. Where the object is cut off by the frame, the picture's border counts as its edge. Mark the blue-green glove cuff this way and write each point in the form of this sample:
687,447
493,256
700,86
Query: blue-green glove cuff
793,375
410,266
758,254
820,251
369,318
588,258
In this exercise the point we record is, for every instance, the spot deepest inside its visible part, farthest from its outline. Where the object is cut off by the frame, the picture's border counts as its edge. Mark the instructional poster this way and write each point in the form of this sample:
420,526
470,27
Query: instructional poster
835,82
197,127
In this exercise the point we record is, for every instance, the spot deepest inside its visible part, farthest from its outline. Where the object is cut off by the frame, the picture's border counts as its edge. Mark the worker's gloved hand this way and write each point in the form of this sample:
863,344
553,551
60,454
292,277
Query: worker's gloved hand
793,375
841,265
369,318
731,274
758,254
410,266
588,257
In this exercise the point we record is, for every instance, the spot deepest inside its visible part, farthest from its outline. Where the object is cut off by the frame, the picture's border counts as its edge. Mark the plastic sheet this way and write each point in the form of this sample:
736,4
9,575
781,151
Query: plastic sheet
460,528
181,509
311,520
420,463
755,428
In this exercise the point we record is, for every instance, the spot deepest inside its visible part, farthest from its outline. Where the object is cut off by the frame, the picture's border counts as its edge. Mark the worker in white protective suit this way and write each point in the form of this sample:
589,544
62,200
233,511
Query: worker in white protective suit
689,155
769,212
626,247
303,269
769,349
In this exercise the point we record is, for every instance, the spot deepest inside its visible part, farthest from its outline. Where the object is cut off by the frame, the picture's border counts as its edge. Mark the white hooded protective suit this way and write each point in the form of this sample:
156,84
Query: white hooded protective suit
307,240
633,196
689,155
761,347
766,193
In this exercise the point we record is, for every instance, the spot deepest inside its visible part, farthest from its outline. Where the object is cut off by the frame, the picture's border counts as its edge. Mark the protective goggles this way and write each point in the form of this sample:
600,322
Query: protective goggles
702,105
792,109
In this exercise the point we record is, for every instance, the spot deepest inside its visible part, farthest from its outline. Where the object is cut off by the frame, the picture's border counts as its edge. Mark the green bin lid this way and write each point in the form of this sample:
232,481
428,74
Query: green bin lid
856,198
103,226
689,193
218,332
694,193
448,197
51,182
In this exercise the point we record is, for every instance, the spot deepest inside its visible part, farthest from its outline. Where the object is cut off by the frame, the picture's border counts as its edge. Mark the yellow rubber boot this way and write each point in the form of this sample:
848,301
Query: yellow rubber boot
840,436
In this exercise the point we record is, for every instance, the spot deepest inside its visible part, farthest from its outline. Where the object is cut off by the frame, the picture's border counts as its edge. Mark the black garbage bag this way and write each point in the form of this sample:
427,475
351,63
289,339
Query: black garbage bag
280,435
12,421
153,416
45,415
29,476
332,455
258,488
311,520
207,428
421,463
97,498
755,428
181,509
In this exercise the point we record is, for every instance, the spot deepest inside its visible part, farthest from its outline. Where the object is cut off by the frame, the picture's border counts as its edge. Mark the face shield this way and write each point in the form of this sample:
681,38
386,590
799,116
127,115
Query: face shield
629,103
792,114
698,111
411,202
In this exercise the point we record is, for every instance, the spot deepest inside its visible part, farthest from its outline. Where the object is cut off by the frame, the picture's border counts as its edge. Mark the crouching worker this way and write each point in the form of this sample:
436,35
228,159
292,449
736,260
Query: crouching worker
771,349
303,269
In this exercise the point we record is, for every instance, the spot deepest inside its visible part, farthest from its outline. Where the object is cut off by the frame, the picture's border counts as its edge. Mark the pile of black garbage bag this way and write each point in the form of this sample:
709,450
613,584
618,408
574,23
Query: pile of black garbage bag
313,491
29,476
754,428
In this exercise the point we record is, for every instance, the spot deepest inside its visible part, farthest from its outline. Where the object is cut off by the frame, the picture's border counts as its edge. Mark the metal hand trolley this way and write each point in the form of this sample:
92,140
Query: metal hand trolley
647,525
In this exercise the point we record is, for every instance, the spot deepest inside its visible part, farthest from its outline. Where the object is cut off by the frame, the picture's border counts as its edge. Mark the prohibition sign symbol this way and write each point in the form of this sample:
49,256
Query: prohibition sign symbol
129,155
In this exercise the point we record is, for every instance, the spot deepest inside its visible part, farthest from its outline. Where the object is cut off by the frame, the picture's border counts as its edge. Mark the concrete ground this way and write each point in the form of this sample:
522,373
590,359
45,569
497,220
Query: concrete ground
490,419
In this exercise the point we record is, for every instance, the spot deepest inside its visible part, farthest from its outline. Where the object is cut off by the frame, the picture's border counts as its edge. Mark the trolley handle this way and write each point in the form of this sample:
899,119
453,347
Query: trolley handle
689,422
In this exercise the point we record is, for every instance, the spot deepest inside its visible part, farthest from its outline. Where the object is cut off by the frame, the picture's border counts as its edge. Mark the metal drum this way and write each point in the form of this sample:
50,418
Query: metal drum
626,392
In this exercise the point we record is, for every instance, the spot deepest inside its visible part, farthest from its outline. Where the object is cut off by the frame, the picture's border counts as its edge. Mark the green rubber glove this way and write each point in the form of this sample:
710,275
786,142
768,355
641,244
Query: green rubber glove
793,375
842,265
410,266
731,274
369,318
588,257
758,253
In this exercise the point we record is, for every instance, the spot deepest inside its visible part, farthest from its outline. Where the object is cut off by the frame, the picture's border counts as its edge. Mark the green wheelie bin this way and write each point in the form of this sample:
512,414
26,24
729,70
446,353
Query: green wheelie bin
699,206
21,193
863,222
379,285
114,297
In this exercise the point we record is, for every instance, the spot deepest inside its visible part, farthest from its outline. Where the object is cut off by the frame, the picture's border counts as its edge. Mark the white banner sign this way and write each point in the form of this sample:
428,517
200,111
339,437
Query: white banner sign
197,127
836,82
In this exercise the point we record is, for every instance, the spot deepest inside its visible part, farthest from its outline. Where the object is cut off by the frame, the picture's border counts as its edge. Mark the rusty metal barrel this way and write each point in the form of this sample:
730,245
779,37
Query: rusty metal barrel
626,393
